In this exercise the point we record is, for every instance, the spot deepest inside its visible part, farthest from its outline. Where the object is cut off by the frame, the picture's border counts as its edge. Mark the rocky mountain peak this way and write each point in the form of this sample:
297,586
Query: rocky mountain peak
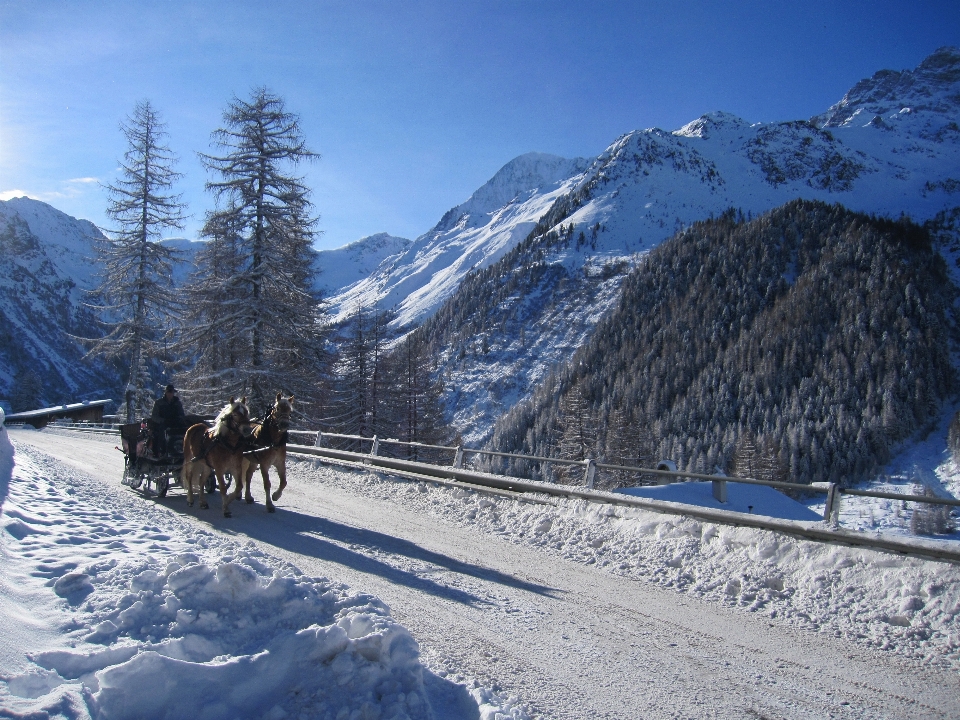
934,86
705,125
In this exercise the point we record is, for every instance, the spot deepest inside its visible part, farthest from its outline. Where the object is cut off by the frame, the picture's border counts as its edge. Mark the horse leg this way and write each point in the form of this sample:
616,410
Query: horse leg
281,467
186,479
248,480
265,472
245,467
227,497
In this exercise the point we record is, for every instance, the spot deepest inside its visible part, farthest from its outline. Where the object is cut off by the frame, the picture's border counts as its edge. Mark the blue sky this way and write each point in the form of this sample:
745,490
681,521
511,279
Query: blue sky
413,105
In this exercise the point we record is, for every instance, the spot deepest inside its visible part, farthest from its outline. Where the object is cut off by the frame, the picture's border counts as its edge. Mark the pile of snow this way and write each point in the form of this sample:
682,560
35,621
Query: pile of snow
115,608
903,605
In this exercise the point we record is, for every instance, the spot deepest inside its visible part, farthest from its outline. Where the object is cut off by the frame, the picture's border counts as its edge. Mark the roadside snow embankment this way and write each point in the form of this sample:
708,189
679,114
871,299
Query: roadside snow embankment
881,600
155,619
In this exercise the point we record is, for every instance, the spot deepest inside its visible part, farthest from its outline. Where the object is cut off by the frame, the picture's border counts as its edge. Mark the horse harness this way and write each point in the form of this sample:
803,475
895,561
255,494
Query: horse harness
215,439
280,442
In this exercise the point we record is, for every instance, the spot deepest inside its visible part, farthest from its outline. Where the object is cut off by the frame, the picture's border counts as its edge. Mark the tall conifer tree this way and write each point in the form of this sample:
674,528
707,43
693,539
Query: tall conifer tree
135,282
262,313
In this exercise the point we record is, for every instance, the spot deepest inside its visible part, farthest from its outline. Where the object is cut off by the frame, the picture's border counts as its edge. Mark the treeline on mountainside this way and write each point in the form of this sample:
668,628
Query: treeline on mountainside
802,345
497,305
391,394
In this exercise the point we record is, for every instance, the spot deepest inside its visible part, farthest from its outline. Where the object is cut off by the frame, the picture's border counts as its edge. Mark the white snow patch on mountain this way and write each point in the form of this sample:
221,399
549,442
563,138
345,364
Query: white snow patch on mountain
345,266
67,242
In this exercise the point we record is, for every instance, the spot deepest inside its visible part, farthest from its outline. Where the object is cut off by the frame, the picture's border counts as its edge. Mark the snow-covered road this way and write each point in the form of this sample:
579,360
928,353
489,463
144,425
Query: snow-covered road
569,638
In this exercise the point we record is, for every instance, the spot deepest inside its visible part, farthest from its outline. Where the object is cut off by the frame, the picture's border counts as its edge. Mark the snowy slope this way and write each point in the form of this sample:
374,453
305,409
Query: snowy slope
48,266
138,614
345,266
470,236
68,243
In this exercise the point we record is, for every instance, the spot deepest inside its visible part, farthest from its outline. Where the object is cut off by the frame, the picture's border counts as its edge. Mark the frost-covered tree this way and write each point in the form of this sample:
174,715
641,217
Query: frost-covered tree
417,396
930,519
253,324
136,287
27,391
359,398
579,432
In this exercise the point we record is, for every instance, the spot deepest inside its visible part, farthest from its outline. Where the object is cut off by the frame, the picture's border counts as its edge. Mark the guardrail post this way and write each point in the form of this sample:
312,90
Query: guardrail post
458,458
319,441
590,472
669,466
831,509
720,487
375,447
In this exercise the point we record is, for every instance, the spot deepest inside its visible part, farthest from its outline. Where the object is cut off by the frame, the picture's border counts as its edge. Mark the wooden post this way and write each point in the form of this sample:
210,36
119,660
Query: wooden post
720,488
668,465
831,509
590,472
458,458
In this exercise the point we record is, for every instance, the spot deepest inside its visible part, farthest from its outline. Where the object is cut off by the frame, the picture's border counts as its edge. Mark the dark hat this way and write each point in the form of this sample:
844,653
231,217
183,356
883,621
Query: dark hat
171,389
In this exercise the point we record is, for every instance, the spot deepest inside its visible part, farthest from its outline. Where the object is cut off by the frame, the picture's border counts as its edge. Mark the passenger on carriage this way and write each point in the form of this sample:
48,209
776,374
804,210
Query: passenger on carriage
167,415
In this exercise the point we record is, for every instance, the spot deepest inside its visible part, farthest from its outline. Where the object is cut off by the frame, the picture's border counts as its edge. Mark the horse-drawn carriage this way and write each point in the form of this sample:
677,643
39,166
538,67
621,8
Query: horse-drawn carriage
205,455
144,467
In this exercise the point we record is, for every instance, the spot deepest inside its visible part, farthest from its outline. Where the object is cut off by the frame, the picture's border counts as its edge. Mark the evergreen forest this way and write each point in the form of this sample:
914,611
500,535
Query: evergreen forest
802,345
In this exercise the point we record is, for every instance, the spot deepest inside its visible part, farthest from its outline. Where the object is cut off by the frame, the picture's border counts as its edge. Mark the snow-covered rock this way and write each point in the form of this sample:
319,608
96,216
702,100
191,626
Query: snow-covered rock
47,267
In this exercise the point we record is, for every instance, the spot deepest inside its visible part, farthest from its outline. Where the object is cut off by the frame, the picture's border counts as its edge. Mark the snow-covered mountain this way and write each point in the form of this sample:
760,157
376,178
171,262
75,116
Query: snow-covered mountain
473,235
46,267
350,264
890,146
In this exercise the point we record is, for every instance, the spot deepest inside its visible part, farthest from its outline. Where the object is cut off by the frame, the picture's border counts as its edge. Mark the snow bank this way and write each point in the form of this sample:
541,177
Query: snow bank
158,619
903,605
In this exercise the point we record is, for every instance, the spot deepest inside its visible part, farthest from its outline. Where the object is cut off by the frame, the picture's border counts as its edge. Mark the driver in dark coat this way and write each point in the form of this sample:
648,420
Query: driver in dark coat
167,414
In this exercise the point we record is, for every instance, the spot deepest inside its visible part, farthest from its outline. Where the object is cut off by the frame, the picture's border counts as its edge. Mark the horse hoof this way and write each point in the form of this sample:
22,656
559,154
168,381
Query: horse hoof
271,508
204,506
228,514
189,503
276,495
249,501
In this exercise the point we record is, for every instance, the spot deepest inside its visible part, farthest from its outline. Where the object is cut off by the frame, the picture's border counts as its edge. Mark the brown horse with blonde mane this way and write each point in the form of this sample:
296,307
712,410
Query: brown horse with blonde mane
218,449
269,439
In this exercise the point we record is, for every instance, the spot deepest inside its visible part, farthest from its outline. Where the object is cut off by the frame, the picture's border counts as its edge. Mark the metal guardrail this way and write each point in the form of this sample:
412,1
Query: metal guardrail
939,550
666,469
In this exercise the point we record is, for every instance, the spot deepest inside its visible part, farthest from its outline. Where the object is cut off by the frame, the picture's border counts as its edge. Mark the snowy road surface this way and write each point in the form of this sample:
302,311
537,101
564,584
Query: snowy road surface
571,639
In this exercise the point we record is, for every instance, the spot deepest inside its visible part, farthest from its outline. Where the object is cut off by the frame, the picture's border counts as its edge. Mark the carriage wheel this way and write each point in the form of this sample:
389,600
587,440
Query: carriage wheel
163,483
